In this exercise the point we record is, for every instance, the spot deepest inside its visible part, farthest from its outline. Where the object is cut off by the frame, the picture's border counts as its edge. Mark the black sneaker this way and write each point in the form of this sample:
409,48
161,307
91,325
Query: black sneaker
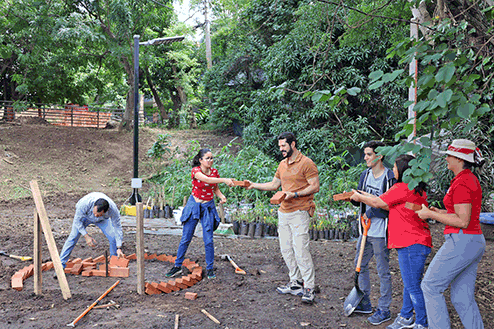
308,296
174,272
210,274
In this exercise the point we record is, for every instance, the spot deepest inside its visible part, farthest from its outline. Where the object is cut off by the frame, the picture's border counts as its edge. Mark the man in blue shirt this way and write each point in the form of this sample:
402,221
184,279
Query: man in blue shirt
98,209
376,180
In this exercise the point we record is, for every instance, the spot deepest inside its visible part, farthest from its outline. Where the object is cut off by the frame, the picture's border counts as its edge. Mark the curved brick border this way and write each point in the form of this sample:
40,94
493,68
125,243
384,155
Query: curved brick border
118,267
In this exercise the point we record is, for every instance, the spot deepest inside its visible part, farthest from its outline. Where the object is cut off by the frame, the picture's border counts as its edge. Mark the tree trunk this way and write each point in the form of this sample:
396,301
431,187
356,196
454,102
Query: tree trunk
161,108
128,119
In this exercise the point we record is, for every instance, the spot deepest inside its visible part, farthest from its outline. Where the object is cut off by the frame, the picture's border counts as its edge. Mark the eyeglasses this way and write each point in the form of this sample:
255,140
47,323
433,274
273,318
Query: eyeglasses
208,159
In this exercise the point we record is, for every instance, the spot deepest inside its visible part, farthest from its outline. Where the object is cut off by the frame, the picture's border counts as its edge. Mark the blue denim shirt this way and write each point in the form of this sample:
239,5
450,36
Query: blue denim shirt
84,211
206,212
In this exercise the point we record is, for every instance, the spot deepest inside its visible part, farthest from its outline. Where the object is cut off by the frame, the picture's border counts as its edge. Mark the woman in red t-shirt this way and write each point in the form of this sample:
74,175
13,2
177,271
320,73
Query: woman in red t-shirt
455,263
411,238
201,207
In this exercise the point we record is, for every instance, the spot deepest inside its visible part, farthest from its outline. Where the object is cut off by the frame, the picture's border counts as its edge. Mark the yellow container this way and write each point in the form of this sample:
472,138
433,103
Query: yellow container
131,210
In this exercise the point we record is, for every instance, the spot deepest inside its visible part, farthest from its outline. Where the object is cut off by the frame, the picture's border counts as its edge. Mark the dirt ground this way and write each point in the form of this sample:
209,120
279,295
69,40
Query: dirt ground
70,162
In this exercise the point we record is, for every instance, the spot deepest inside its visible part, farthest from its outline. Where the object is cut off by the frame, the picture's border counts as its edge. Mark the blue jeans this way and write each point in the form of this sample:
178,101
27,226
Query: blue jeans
189,227
375,247
105,226
412,263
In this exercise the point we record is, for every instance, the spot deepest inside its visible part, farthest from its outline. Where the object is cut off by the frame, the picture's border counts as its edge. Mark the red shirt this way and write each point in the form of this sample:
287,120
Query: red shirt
464,188
405,228
202,190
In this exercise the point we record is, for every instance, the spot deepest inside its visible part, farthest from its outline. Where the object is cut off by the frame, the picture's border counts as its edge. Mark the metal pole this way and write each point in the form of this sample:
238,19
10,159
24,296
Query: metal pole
136,105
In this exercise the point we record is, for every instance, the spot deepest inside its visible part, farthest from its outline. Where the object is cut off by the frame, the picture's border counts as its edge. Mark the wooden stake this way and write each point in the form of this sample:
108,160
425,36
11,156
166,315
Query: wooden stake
210,316
37,253
50,240
177,318
140,248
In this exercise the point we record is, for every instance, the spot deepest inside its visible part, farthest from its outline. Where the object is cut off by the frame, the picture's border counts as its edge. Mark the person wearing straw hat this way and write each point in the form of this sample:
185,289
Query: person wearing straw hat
455,263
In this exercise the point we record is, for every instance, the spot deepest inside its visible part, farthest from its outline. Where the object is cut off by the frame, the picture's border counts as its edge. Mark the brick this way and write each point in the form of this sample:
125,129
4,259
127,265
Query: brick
161,258
151,290
113,260
146,255
195,276
152,256
164,287
67,270
197,270
413,206
88,260
190,295
88,264
17,282
173,285
76,269
87,273
77,260
187,281
186,262
69,264
121,272
121,262
278,197
98,273
345,196
172,259
131,257
180,283
241,183
99,259
192,266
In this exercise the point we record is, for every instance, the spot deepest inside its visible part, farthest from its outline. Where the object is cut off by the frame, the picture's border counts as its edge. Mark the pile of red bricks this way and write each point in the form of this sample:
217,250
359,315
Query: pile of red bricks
21,275
117,267
184,282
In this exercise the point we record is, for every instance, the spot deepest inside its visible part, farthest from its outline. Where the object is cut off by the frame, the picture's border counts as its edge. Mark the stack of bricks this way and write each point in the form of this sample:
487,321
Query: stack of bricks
184,282
18,278
117,267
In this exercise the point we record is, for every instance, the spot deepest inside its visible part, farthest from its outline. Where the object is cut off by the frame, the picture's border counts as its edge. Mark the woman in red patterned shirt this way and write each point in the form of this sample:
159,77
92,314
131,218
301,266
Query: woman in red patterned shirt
201,207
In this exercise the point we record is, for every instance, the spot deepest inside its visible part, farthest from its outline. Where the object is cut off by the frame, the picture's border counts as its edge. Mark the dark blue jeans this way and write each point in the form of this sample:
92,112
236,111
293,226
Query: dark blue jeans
412,263
189,227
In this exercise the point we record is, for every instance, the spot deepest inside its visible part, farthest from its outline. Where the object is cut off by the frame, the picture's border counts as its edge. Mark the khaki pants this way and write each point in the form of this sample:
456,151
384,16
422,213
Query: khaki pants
293,232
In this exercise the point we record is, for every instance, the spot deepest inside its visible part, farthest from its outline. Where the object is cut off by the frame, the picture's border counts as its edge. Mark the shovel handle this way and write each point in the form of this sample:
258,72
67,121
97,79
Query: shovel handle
366,222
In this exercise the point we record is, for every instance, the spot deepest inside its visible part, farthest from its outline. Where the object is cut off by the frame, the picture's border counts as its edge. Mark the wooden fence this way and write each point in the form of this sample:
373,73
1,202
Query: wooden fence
68,115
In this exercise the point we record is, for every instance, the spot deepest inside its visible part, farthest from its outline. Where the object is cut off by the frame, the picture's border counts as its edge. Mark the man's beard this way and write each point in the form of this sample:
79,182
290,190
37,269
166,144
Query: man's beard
288,154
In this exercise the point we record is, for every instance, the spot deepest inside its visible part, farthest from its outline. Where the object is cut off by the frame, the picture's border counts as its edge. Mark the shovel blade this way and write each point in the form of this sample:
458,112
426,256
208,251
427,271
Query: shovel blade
352,301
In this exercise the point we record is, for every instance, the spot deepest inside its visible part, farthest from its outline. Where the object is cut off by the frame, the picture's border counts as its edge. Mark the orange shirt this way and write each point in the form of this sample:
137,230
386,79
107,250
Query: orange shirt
294,178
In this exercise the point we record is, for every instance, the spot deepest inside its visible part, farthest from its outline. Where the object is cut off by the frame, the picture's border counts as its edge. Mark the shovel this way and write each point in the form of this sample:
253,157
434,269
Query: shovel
356,295
238,270
3,253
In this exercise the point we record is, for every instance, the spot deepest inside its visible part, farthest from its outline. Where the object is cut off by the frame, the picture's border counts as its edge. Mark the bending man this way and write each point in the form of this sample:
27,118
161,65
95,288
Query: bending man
95,208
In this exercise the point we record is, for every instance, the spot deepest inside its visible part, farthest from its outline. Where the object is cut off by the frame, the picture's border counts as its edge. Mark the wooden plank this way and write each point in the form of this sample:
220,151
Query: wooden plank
50,240
140,248
222,213
37,253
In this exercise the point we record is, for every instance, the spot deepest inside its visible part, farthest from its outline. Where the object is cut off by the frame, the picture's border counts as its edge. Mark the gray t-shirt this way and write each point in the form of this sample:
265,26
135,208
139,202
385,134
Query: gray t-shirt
374,186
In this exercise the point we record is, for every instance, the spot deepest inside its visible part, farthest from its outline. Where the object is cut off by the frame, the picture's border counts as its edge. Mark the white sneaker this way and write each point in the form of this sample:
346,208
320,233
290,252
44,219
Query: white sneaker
401,322
294,288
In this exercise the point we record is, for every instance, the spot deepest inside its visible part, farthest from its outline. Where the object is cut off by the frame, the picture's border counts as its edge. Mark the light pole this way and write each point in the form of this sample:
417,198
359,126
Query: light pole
135,197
